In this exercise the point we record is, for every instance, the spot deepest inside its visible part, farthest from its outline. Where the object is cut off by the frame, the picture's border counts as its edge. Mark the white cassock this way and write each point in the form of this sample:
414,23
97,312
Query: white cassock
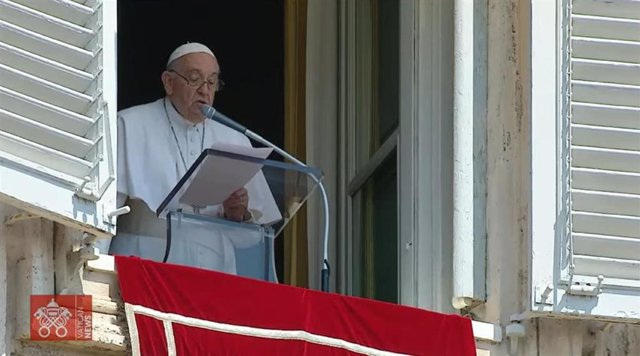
151,160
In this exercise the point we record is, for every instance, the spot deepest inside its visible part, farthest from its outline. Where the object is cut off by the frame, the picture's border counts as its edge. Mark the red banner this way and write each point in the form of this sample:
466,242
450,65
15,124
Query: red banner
181,310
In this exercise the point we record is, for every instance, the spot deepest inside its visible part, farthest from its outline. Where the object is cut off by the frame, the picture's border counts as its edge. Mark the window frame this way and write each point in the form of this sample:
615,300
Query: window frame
424,151
356,177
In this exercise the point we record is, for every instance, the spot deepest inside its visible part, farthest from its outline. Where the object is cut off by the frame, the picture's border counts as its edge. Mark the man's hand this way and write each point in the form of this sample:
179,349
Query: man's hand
235,206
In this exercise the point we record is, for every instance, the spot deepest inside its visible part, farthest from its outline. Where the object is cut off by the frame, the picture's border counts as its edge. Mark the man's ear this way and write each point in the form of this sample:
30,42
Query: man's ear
167,82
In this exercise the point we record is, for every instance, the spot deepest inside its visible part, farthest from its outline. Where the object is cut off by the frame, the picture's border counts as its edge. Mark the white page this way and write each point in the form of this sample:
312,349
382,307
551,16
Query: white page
260,152
217,177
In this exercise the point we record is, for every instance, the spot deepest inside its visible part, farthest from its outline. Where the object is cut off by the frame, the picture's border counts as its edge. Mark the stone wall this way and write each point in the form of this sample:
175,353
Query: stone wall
508,189
37,257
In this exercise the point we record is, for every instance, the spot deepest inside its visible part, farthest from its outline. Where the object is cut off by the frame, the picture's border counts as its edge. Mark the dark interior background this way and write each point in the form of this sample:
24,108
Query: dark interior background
247,37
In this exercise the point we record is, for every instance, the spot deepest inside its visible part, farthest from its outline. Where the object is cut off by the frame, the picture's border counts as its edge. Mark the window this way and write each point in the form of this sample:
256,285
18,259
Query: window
58,110
395,151
375,231
591,225
373,182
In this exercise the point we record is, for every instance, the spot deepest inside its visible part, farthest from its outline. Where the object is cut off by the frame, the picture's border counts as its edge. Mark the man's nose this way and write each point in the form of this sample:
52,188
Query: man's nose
205,88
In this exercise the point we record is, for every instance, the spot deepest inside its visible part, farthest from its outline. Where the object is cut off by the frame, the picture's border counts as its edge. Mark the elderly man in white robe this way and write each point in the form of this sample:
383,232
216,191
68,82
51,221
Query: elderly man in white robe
157,143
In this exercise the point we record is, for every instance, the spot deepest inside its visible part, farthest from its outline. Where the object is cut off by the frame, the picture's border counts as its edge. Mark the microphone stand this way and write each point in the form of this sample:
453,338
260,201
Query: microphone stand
213,114
324,276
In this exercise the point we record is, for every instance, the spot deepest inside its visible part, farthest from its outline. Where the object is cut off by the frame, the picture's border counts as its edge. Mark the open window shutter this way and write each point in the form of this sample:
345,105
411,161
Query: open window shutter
604,185
58,109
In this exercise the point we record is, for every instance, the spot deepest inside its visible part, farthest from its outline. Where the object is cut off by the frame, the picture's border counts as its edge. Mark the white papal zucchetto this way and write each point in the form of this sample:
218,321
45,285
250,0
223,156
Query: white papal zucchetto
188,48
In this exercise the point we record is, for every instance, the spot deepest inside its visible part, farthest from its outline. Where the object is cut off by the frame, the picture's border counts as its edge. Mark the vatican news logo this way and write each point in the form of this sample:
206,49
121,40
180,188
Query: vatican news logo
61,317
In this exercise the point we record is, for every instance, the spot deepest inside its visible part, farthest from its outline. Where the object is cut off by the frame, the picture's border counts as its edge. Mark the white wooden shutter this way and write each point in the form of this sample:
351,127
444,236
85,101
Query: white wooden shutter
604,185
58,109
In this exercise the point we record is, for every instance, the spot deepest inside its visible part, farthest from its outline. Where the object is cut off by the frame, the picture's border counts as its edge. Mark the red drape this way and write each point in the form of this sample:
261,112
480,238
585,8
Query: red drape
200,312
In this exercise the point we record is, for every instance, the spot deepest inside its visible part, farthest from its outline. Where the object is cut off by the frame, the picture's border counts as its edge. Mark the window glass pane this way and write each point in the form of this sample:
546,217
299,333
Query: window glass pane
377,75
364,82
375,237
388,70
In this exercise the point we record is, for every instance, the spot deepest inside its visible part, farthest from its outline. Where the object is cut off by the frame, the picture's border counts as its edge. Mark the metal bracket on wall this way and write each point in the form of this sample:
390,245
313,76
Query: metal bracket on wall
543,295
76,260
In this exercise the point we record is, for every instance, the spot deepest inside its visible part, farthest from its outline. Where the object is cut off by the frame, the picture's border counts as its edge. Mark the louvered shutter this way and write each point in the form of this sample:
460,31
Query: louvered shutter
58,109
604,185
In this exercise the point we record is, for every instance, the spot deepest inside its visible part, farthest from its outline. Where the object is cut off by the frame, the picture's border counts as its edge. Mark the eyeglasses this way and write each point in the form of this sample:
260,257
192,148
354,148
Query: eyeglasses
216,85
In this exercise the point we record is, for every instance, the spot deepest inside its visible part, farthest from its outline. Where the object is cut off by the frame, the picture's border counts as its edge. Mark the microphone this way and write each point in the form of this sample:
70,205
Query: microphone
213,114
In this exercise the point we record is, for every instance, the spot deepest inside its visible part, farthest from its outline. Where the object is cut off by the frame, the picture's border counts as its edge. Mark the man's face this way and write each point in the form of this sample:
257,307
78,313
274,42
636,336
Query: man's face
179,82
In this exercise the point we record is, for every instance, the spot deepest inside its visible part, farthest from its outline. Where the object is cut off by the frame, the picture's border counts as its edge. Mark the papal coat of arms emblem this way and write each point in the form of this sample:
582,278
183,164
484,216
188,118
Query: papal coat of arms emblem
52,316
61,317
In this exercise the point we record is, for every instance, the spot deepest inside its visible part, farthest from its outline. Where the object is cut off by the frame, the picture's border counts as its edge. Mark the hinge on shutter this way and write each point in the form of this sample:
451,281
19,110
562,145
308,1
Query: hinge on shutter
584,288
